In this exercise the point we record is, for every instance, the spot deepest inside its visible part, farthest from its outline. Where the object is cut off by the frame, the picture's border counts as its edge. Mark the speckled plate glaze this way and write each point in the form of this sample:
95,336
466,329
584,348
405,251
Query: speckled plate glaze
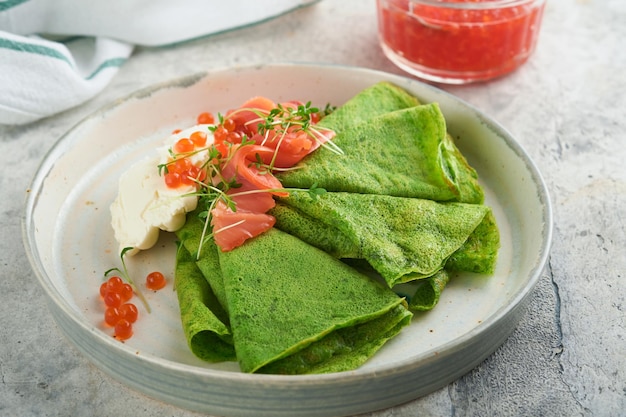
70,244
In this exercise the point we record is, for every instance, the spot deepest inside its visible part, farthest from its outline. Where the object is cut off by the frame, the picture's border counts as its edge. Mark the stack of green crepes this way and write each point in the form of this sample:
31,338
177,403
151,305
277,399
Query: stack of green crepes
401,201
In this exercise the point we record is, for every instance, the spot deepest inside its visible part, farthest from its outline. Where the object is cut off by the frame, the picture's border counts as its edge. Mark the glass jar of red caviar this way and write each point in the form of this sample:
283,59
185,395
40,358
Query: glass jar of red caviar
459,41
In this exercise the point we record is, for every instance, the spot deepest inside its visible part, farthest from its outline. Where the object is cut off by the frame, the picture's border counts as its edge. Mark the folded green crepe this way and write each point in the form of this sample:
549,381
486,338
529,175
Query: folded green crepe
421,294
403,153
376,100
479,253
292,308
427,292
204,321
403,239
207,261
296,309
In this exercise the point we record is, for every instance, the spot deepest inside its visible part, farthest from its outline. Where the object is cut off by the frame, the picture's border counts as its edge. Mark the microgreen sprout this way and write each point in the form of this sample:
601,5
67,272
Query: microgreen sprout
315,191
126,276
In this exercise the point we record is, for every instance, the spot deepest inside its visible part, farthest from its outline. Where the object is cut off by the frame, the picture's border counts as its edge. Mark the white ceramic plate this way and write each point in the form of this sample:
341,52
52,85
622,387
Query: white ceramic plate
71,244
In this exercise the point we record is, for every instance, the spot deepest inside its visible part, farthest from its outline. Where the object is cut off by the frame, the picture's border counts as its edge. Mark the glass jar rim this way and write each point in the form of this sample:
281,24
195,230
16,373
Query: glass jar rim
475,5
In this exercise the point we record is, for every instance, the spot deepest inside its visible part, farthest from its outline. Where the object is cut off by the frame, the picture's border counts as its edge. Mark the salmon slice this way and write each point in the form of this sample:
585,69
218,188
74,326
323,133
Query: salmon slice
232,228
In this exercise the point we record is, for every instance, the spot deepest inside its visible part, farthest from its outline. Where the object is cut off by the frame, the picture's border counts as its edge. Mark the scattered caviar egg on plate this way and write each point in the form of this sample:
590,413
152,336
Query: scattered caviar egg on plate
118,313
129,312
123,329
155,281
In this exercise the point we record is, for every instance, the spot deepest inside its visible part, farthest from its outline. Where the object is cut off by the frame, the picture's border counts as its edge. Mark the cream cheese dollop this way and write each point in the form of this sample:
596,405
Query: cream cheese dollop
145,205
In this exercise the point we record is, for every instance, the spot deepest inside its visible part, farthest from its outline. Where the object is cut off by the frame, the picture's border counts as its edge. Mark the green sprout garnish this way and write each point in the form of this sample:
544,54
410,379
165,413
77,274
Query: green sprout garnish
126,276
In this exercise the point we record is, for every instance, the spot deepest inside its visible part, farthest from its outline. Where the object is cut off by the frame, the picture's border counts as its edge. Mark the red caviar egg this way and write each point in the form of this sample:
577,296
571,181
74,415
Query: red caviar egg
103,289
205,118
229,125
155,281
192,175
129,312
179,165
112,299
184,145
172,179
114,284
111,316
198,138
220,134
126,292
123,329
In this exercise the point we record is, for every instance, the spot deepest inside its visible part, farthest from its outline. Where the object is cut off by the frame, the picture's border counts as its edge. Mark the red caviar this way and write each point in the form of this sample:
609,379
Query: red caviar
129,312
229,125
119,313
184,145
123,329
198,138
179,165
114,283
111,316
112,299
206,118
180,169
459,41
155,281
172,179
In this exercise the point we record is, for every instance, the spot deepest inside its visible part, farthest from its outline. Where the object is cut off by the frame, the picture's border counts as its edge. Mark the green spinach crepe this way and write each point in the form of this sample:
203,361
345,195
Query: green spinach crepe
403,239
204,320
208,263
376,100
295,309
427,292
403,152
292,308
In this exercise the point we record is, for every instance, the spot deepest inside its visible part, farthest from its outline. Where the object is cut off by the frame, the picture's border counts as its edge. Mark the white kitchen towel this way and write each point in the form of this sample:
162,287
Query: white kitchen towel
56,54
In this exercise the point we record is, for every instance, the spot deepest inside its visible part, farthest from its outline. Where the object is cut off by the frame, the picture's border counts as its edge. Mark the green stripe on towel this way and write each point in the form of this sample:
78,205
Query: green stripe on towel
34,49
113,62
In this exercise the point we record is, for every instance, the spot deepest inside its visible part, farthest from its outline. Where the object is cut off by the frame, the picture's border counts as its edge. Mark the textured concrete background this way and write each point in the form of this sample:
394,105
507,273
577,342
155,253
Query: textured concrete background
566,106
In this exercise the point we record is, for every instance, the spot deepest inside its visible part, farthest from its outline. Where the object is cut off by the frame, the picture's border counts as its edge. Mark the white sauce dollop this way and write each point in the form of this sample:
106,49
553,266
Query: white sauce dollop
145,205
